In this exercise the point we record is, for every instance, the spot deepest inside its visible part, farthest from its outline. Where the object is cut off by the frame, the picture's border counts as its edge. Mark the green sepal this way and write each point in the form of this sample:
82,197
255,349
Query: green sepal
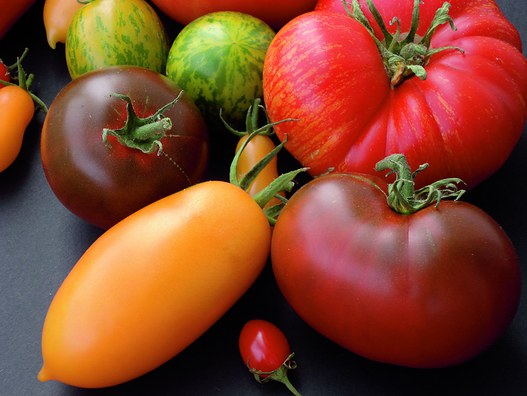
402,196
140,133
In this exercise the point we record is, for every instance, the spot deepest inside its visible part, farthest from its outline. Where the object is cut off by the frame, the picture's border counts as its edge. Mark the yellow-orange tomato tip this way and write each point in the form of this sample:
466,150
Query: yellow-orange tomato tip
42,375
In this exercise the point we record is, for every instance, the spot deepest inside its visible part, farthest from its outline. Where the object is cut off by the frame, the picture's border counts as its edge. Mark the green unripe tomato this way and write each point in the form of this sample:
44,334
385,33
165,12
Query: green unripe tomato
116,32
218,60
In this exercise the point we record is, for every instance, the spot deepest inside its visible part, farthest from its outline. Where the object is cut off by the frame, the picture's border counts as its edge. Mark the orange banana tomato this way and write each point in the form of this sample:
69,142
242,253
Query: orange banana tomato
57,16
11,12
154,282
16,111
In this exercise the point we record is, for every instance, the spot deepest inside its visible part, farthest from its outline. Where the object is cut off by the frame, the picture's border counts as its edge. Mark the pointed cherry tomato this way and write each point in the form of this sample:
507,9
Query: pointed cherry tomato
265,351
57,19
16,111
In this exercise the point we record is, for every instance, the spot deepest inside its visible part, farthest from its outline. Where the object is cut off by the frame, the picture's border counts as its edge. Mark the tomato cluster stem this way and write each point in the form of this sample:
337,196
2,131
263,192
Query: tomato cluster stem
404,55
402,196
25,80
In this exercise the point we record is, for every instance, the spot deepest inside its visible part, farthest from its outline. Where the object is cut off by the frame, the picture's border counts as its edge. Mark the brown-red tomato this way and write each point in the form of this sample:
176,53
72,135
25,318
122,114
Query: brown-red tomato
103,179
427,289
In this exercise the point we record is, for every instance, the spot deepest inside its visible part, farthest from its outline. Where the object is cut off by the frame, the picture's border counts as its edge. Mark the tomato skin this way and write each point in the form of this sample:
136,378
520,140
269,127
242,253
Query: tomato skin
57,15
17,110
263,346
103,184
275,12
313,63
152,284
115,32
431,289
218,59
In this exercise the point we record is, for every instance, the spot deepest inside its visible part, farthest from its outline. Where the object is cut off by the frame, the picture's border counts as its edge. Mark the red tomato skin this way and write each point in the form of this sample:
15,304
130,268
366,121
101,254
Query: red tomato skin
432,289
276,13
263,346
464,119
103,184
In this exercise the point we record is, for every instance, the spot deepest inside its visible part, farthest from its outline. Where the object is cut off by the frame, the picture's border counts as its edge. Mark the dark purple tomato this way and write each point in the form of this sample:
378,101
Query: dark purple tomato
117,139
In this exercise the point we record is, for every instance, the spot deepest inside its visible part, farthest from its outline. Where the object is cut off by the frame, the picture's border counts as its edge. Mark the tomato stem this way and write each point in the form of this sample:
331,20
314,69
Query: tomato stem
280,374
404,55
144,134
24,80
402,196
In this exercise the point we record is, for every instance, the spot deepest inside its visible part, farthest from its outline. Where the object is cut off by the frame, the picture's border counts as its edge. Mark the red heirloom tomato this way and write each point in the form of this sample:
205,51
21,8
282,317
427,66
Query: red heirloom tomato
117,139
274,12
266,352
432,286
452,96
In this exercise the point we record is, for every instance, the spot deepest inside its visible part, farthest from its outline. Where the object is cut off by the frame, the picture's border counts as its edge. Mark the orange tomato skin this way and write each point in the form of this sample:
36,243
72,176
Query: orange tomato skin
16,111
256,149
152,284
57,16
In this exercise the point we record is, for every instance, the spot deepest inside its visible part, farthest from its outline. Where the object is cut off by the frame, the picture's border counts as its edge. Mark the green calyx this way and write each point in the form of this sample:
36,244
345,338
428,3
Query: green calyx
404,54
283,183
24,80
402,196
139,133
280,374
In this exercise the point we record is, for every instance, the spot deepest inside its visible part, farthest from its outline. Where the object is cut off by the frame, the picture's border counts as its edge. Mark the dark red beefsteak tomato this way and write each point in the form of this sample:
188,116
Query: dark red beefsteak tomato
428,289
463,115
103,179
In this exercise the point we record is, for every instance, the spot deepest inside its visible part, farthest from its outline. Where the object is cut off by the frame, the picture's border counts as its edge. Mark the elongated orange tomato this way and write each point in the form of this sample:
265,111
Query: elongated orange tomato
152,284
256,150
16,111
57,16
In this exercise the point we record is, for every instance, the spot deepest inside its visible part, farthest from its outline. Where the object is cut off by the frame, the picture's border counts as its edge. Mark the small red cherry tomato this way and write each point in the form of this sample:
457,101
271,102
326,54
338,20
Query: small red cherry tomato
266,353
4,73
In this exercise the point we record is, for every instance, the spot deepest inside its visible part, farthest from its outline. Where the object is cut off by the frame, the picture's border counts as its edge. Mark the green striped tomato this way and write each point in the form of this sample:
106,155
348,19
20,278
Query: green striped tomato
116,32
218,60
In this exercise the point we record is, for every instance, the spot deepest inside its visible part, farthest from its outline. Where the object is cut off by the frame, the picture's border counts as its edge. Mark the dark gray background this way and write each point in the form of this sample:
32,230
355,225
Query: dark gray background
40,241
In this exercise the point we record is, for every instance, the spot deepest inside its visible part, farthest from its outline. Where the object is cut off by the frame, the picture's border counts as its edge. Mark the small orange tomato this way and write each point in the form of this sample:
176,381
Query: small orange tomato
257,149
16,111
152,284
57,19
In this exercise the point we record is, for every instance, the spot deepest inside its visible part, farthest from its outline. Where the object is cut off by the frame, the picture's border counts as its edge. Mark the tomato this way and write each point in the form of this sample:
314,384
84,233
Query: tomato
218,59
265,351
11,12
57,15
274,12
4,73
463,112
115,32
17,109
429,286
154,282
103,171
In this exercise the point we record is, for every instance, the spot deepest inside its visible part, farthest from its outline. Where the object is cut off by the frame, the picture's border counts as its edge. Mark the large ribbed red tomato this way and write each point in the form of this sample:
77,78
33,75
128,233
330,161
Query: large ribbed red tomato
461,109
